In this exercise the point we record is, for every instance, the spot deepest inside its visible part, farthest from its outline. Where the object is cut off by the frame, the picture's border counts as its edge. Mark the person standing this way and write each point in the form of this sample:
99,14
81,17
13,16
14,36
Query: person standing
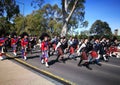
24,45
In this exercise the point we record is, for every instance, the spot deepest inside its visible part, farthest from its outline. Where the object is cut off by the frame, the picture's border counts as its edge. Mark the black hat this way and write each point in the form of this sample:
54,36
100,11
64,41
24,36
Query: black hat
24,34
13,34
2,32
43,35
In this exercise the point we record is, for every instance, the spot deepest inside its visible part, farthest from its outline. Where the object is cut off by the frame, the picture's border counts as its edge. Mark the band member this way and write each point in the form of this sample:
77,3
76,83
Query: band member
54,42
14,41
73,47
95,57
103,51
61,46
45,49
44,38
2,42
24,45
84,49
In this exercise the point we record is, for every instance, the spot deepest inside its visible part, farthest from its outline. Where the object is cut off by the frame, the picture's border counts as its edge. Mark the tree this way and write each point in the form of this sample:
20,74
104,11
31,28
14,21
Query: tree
85,32
2,25
72,9
52,17
84,24
100,28
5,26
72,13
34,23
8,8
47,19
18,24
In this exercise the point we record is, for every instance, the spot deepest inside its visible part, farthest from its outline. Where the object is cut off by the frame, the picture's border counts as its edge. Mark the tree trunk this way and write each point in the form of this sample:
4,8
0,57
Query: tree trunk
66,18
64,29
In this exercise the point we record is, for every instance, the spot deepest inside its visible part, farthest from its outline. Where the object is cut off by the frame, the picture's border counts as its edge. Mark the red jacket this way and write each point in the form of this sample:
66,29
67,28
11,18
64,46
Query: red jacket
24,42
2,40
113,49
13,41
44,46
94,54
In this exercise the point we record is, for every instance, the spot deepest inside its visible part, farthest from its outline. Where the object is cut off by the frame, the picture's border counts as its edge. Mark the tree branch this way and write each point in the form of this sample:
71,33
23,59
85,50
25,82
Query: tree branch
66,5
74,6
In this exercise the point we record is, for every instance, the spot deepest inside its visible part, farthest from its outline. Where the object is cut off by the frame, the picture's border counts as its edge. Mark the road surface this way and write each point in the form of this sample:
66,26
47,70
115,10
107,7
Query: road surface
107,74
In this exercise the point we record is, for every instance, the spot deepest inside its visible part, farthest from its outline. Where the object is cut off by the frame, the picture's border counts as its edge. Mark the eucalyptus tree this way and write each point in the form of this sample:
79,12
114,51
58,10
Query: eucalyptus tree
72,13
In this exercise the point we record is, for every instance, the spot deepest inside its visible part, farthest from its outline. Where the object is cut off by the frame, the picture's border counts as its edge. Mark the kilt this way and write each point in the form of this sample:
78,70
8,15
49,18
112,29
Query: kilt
60,51
71,50
94,54
113,49
84,56
54,46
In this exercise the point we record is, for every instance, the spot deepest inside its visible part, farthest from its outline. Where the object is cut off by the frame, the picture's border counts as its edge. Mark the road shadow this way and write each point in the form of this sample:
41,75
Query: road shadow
52,62
63,60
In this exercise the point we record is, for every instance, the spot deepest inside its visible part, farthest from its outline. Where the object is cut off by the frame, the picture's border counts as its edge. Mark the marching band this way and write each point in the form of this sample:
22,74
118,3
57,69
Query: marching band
89,50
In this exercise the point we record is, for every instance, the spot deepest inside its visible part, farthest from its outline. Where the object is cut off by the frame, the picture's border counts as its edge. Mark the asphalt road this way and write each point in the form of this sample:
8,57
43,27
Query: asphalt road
107,74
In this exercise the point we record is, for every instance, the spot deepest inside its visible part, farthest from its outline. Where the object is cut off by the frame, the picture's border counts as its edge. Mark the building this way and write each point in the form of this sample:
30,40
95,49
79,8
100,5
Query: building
117,32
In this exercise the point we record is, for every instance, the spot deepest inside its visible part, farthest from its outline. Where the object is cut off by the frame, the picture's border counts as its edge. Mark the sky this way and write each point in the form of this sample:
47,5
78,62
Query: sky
105,10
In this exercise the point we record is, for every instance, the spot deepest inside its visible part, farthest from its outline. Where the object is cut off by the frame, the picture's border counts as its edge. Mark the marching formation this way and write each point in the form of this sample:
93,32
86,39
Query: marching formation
90,51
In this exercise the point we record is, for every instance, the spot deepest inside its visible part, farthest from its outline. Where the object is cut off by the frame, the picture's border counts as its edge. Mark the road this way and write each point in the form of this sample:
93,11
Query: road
107,74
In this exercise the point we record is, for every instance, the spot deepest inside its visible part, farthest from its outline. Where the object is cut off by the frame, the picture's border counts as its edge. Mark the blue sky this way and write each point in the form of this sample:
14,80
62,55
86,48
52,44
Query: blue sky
105,10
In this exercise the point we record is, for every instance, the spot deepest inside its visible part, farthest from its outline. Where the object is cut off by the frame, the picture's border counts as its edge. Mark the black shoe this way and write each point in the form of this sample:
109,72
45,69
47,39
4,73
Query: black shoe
87,66
99,64
62,59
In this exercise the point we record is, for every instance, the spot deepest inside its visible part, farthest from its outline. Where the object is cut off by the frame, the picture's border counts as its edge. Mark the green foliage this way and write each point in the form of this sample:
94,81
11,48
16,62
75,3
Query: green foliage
81,36
47,19
118,38
5,26
52,16
84,24
100,28
9,8
18,24
72,14
77,16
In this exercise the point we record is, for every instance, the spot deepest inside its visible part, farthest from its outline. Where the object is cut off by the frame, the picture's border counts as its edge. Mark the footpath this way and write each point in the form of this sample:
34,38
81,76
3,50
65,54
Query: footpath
14,74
